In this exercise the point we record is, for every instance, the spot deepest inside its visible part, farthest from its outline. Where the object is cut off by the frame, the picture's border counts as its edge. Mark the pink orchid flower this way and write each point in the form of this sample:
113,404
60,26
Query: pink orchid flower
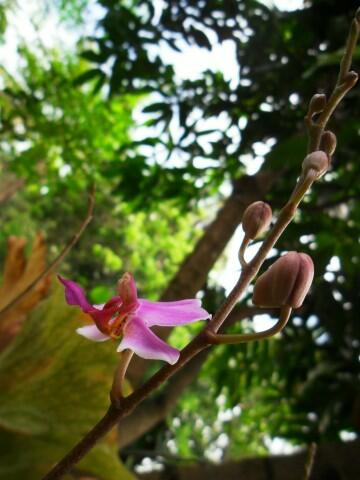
128,317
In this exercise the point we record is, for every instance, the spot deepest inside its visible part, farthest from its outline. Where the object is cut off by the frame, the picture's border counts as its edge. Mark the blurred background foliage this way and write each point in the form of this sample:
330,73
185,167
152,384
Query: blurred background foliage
165,151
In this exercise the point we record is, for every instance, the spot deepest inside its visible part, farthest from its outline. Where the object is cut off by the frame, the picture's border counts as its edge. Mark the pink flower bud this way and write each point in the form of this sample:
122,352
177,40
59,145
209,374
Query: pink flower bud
351,78
328,142
286,282
256,219
317,103
317,161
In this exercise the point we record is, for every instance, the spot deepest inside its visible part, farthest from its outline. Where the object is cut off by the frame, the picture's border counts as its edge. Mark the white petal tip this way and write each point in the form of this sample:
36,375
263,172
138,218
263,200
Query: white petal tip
174,360
91,332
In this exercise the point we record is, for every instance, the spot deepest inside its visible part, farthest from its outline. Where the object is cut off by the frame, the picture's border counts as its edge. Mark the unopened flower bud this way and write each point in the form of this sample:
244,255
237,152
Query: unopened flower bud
256,219
317,103
351,78
286,282
328,142
317,161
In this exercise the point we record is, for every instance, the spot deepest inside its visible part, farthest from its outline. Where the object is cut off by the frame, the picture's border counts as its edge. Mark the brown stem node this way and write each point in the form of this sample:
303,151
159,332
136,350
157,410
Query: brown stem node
317,104
328,143
350,79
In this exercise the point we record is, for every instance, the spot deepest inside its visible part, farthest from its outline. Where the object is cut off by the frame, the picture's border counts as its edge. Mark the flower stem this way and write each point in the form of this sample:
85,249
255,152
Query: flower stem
243,247
117,389
218,339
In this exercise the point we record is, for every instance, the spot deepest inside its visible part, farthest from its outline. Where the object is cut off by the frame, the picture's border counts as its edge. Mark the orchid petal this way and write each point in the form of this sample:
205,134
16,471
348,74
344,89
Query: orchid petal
127,289
75,295
92,333
139,338
170,314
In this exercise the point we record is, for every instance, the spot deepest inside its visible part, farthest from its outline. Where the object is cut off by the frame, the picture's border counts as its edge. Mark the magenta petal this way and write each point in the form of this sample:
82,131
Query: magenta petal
91,332
139,338
170,314
75,295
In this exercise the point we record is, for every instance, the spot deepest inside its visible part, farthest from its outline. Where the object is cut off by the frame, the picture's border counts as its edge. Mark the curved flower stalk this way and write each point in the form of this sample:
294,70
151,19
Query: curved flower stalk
284,285
129,318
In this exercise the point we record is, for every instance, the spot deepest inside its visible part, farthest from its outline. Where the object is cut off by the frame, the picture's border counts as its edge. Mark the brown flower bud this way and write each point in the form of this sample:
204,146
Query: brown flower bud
351,78
328,142
256,219
317,161
286,282
317,103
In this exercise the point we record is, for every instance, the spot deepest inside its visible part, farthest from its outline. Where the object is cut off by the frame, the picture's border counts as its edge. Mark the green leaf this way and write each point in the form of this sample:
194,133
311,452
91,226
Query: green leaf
55,387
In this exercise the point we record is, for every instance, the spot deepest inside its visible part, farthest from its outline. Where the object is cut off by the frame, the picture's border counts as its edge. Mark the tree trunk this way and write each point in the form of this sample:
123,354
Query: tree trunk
336,461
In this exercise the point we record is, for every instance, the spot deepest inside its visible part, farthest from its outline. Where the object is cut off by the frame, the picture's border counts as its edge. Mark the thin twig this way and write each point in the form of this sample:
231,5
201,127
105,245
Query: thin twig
310,460
61,255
